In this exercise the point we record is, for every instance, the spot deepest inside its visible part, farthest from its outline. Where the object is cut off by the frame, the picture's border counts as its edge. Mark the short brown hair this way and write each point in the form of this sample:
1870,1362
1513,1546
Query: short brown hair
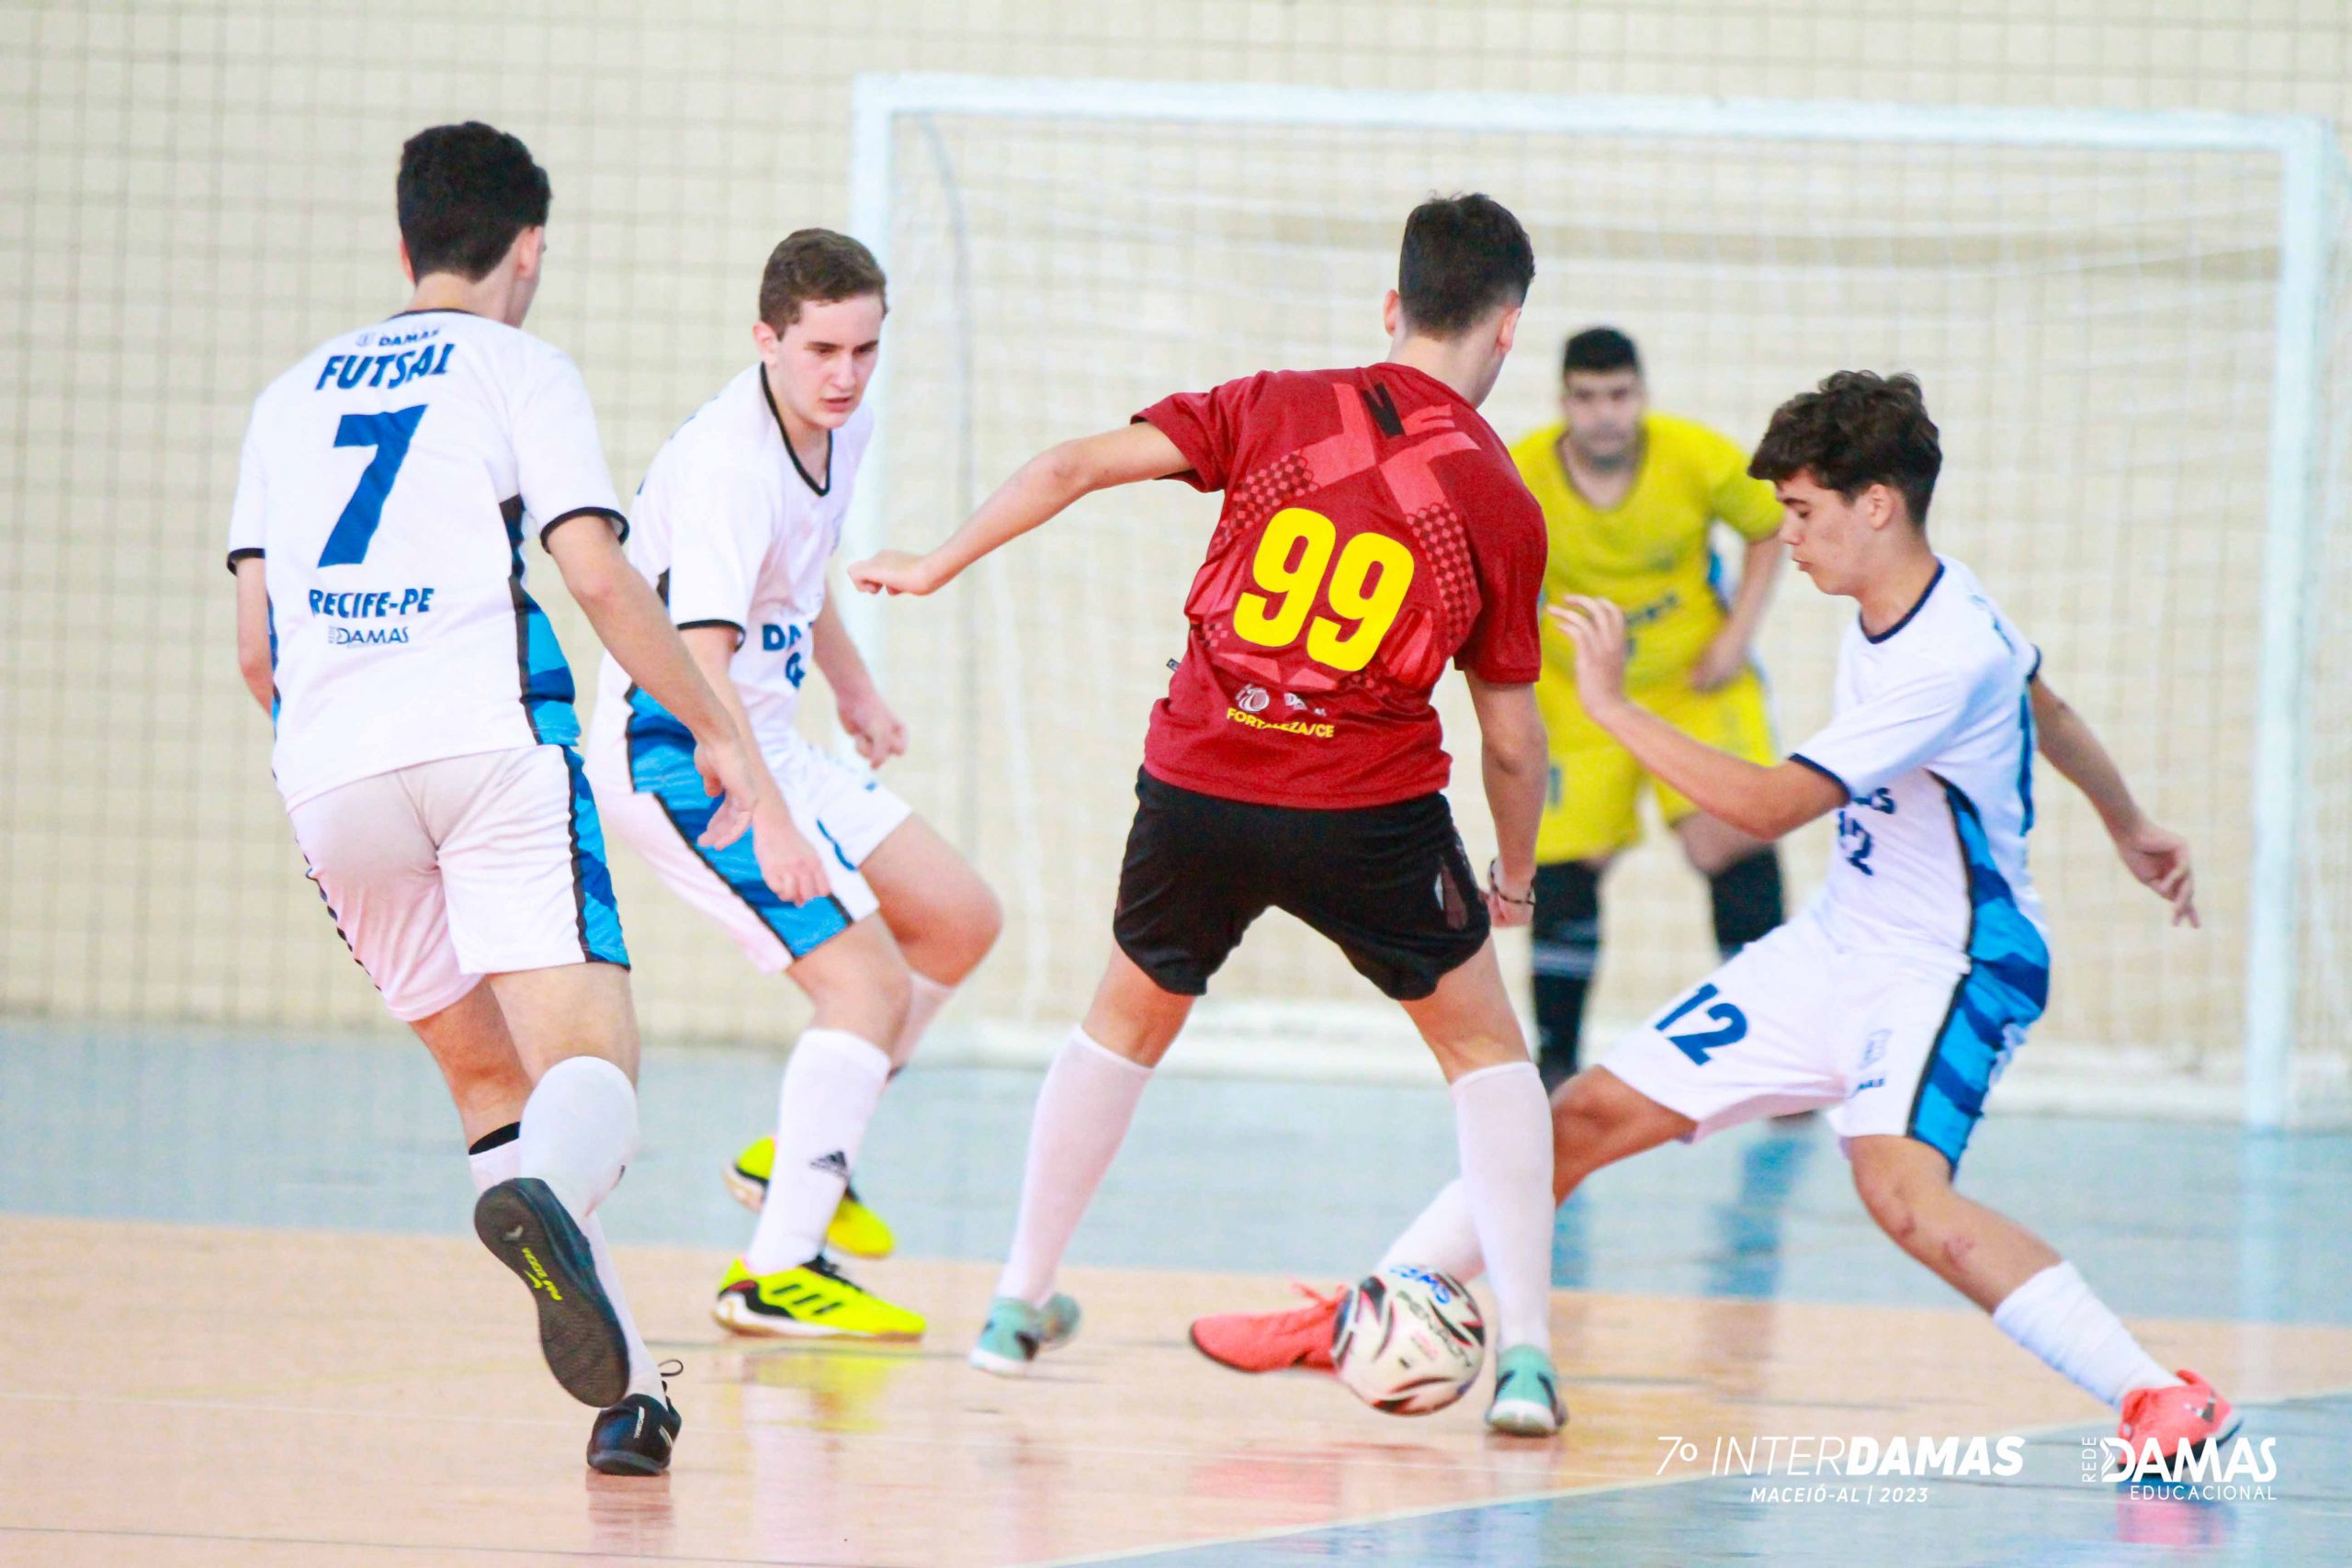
1856,430
816,266
1463,257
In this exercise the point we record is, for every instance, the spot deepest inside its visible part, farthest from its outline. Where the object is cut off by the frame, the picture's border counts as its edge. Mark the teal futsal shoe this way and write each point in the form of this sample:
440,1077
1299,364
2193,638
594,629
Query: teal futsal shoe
1016,1332
1527,1395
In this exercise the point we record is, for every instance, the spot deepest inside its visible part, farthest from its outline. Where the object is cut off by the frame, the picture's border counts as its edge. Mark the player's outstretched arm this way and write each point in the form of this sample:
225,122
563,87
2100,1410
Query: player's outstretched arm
1514,760
1764,803
2156,855
253,632
634,628
1038,492
866,718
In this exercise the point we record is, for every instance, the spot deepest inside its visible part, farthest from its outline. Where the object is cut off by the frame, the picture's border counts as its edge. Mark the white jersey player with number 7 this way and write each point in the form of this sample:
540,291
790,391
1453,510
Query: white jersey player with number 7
879,919
425,733
1892,1001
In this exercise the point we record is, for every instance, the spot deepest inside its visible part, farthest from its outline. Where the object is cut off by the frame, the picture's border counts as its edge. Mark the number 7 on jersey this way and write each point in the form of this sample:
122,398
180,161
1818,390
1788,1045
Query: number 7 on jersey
388,433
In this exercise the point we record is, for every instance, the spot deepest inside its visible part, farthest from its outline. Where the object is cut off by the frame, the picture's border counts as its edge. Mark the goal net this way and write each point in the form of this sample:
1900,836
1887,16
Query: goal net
2125,329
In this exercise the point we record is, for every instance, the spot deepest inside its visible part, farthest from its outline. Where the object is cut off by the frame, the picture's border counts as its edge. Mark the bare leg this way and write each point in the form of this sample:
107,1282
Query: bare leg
1906,1187
858,982
1131,1017
573,1010
470,1045
943,916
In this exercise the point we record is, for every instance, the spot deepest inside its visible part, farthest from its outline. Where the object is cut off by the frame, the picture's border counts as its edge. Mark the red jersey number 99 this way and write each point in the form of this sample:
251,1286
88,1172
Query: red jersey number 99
1362,592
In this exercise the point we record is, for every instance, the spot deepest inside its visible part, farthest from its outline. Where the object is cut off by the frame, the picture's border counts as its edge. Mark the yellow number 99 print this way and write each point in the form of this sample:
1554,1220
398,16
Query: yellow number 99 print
1367,587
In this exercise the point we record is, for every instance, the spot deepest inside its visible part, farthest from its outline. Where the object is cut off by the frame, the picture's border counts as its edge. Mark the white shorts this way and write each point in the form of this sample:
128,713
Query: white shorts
653,800
440,873
1888,1043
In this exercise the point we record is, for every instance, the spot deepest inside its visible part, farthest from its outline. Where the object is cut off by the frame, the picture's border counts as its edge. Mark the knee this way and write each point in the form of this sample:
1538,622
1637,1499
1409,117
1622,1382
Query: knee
952,936
983,921
1584,1115
1901,1201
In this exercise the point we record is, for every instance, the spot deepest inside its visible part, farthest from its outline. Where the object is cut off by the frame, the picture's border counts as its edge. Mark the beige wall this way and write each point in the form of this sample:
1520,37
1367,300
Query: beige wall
191,195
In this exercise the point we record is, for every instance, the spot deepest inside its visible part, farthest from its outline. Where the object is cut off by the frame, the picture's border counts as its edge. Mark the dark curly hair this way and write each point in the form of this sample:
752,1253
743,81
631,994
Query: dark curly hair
1856,430
464,192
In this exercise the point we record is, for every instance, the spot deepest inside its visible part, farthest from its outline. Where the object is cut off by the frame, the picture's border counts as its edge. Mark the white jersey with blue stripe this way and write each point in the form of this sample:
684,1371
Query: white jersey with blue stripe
1933,741
733,531
387,481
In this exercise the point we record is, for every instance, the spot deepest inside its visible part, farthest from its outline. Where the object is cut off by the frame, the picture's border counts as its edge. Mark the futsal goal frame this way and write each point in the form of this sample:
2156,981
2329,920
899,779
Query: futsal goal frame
2311,181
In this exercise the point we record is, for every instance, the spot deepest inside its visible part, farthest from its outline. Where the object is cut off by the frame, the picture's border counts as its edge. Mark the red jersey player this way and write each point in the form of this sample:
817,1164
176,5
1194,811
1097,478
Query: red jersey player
1374,528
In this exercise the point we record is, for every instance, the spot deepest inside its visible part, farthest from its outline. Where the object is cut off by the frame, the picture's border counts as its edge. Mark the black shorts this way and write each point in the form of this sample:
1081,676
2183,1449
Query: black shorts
1389,883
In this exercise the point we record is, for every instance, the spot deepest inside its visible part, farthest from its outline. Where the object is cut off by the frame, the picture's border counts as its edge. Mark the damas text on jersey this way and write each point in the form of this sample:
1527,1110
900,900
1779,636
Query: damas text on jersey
379,605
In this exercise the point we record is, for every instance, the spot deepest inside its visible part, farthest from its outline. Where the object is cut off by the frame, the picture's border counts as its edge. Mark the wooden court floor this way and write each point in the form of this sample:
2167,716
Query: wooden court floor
177,1395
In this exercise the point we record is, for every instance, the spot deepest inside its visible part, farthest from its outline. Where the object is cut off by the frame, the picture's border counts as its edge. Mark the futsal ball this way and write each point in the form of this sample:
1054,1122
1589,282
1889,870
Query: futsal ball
1408,1340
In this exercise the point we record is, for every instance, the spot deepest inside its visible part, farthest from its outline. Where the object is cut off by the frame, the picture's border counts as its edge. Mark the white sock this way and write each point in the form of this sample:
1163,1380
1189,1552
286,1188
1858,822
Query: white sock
1082,1113
925,997
2054,1315
578,1129
504,1161
1441,1237
1504,1124
830,1088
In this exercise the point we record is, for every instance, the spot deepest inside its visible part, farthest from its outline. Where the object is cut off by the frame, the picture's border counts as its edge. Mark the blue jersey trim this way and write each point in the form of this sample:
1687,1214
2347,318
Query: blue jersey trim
2006,988
1801,761
543,676
1926,594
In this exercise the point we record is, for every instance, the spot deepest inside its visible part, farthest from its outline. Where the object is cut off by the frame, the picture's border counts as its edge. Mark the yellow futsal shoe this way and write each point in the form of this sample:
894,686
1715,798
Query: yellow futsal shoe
856,1229
814,1301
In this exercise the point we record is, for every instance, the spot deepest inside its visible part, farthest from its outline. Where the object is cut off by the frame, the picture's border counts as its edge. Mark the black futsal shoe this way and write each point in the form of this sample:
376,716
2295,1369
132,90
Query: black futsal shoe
634,1438
527,1228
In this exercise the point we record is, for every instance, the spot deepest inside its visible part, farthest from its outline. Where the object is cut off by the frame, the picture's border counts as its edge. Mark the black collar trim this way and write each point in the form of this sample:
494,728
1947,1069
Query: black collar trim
785,437
1869,635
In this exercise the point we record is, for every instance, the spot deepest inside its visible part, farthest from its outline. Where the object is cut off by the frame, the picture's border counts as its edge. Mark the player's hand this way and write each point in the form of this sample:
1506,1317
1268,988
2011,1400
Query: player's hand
1510,901
727,777
897,572
789,864
879,734
1596,629
2159,858
1725,657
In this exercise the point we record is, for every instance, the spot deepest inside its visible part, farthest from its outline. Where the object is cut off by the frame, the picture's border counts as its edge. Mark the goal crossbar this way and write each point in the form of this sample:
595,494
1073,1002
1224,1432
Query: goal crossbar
2311,181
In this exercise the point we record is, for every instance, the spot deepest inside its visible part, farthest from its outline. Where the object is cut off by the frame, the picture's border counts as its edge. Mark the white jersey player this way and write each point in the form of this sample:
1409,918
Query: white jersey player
1894,999
424,727
876,917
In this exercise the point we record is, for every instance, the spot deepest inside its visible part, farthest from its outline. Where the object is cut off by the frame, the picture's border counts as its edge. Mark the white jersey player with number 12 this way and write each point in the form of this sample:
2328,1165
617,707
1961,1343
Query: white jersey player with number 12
425,732
1892,1002
877,918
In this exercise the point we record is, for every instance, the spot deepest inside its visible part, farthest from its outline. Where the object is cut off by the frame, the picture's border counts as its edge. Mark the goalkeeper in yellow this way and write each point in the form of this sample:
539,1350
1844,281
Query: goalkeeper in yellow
1630,499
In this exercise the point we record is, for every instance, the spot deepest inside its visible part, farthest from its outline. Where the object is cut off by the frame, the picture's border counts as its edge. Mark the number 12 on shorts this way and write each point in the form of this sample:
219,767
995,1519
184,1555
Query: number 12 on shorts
1695,1042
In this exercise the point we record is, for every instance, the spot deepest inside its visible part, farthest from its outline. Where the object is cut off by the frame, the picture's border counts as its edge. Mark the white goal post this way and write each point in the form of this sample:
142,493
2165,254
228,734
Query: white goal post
2299,260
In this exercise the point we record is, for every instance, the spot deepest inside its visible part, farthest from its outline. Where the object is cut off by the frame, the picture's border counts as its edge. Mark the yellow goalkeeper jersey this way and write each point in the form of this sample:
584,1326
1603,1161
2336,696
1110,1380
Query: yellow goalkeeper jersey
1649,553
